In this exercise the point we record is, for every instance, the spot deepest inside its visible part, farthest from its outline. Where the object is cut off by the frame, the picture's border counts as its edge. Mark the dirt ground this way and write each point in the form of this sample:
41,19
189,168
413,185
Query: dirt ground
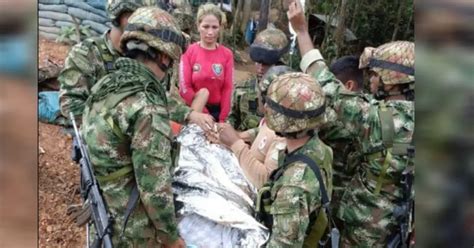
58,176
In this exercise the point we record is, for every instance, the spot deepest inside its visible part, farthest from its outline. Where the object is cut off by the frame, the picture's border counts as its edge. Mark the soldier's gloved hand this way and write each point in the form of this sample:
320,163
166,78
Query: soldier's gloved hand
296,17
205,121
228,136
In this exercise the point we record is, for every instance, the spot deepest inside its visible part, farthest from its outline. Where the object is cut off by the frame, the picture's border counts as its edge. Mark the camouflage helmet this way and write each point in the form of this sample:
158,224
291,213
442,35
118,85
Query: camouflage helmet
393,61
294,104
269,46
116,7
153,27
272,73
184,18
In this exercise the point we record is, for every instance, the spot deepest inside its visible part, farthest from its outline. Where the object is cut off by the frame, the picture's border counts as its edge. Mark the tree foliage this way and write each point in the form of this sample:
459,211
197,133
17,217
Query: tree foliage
374,22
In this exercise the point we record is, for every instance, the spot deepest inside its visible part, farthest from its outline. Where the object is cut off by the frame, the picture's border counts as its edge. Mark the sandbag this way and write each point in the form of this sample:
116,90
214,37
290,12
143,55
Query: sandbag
217,199
47,35
84,15
98,4
86,7
54,15
61,24
51,30
98,27
46,22
62,8
51,1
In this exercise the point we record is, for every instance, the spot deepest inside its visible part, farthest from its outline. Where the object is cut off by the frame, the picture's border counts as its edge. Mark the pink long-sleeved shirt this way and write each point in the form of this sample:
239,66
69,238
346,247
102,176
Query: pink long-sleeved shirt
211,69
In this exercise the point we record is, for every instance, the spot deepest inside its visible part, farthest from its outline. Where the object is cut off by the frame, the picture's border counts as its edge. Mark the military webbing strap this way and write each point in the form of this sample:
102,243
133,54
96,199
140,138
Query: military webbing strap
388,132
107,57
387,125
115,175
315,231
105,54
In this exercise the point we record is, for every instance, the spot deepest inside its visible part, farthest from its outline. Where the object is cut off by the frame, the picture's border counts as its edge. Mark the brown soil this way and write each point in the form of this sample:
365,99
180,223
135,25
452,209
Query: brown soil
58,176
58,184
53,51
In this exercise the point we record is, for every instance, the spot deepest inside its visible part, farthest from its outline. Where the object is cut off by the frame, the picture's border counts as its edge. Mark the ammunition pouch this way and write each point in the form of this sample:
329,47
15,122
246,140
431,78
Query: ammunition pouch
264,203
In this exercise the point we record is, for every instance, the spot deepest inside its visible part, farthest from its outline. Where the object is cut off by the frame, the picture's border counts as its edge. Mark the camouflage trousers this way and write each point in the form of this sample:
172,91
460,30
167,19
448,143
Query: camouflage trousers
368,218
122,241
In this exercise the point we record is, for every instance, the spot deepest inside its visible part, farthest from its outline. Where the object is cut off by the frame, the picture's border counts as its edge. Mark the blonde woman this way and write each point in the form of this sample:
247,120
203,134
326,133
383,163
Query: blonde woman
208,65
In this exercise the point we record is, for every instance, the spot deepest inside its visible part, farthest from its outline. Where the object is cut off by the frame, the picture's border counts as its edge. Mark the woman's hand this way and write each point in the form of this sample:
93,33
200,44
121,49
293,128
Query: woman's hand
205,121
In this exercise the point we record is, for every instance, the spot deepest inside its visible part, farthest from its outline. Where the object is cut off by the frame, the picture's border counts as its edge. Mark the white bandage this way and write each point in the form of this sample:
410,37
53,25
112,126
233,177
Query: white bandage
309,58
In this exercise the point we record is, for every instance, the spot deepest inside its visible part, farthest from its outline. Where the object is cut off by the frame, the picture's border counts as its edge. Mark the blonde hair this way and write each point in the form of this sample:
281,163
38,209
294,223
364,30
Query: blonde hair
211,9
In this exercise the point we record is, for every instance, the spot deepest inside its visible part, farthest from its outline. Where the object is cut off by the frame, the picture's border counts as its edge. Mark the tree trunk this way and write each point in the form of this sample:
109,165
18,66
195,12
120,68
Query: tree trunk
264,9
397,22
221,35
341,27
327,28
354,14
237,20
409,27
246,11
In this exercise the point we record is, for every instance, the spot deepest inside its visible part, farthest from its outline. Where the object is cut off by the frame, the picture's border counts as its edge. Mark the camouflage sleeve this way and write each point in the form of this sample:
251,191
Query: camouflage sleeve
76,79
349,109
234,111
151,148
291,207
178,110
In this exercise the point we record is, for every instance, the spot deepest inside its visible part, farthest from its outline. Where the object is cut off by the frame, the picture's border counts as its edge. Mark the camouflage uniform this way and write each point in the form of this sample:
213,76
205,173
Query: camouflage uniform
367,207
243,114
267,48
347,154
126,127
295,198
89,61
86,63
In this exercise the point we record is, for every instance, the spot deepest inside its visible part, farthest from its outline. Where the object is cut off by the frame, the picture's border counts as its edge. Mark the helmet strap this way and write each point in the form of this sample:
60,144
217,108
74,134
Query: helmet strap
408,92
162,66
297,135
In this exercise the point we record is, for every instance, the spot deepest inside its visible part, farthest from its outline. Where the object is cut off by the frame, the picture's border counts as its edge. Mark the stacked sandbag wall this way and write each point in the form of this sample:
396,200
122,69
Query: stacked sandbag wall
55,14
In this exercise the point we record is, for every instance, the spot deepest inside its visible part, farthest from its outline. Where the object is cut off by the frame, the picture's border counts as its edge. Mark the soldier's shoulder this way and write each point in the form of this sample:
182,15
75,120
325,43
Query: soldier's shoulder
294,173
84,48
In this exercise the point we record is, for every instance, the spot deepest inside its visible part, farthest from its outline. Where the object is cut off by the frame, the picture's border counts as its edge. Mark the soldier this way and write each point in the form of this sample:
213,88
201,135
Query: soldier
126,127
266,50
346,154
293,203
346,69
373,206
92,59
261,158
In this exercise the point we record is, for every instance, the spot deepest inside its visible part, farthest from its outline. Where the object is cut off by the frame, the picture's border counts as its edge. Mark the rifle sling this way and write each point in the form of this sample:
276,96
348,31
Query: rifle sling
317,225
115,175
132,202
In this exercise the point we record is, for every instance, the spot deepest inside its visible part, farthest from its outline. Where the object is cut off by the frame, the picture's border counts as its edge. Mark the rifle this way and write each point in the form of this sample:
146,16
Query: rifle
404,213
91,192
